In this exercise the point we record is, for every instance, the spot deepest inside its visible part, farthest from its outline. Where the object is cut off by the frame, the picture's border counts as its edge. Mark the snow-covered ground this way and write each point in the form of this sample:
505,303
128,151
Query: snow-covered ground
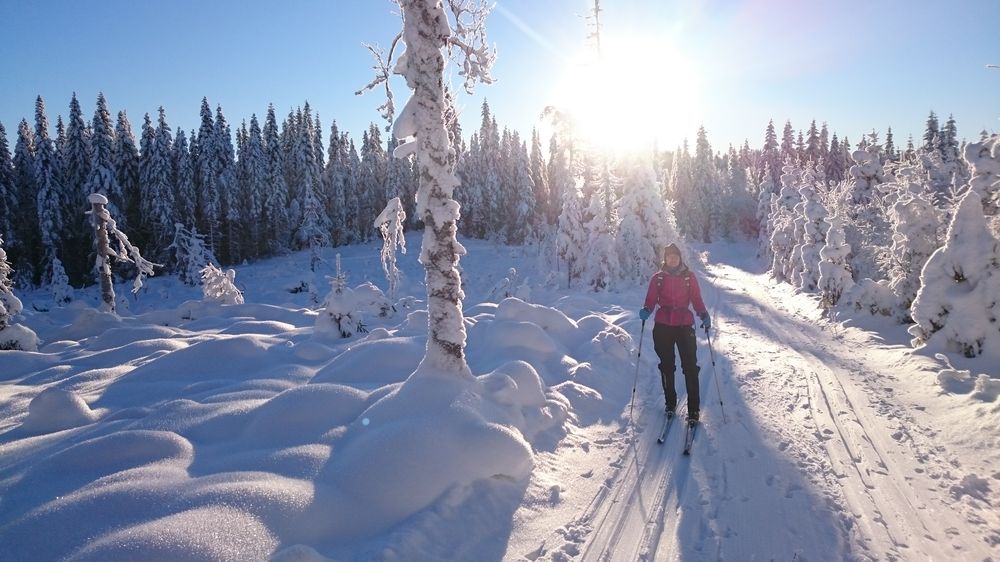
192,431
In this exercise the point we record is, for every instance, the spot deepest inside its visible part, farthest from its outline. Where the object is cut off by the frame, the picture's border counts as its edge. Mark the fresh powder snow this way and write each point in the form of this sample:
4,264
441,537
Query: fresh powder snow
184,428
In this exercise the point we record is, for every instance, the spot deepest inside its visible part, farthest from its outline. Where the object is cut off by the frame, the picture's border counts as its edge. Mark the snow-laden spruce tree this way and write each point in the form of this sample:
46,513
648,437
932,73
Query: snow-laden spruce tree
390,223
191,254
570,234
601,266
59,287
427,33
866,227
646,224
958,305
814,228
220,286
834,271
12,336
984,160
783,222
915,226
105,231
766,197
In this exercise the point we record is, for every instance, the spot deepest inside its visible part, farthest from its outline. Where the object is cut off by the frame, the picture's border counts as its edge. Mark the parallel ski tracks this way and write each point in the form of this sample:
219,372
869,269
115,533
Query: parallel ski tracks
858,450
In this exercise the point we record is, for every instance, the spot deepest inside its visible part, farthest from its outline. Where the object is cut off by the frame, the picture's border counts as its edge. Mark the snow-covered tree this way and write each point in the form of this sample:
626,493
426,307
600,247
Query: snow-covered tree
12,336
191,254
984,161
765,195
958,304
647,223
426,33
252,190
314,231
106,231
185,197
915,225
48,182
59,287
209,211
102,178
126,162
867,229
25,248
8,193
390,223
10,305
814,227
539,179
220,286
834,271
278,228
570,234
783,222
341,314
601,265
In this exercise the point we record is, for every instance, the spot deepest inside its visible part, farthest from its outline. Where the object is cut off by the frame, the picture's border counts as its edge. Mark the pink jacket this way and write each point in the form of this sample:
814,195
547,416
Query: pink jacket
673,292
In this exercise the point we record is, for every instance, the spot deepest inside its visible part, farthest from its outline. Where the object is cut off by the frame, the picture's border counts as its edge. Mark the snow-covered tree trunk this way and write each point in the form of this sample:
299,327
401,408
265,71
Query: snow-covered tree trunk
99,217
426,33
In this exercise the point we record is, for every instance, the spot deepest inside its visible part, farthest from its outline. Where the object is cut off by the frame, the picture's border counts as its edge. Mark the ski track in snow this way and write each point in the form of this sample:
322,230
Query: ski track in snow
818,460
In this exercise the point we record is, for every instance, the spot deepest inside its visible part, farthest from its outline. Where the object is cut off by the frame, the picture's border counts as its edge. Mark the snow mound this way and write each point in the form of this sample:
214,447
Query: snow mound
396,359
54,409
303,414
235,535
559,326
18,338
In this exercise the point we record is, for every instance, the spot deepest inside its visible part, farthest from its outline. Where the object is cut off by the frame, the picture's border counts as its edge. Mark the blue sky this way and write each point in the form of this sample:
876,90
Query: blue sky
727,64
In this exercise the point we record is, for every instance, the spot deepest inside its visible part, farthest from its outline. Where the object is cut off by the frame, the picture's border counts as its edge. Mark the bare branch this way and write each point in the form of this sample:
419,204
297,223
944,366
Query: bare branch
468,38
383,71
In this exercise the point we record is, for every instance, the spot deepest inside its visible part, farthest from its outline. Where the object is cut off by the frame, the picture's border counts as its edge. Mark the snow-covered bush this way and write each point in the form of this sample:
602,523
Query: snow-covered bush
191,255
834,271
874,297
220,286
958,304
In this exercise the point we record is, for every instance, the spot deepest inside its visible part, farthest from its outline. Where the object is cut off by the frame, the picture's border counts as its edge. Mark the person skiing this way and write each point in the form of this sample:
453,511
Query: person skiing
674,288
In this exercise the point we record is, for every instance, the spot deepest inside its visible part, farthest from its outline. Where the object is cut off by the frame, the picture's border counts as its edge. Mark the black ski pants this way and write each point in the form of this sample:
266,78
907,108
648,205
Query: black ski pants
665,338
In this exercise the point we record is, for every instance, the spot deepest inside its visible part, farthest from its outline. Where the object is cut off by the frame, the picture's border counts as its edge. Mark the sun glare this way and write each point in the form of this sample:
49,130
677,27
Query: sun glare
640,91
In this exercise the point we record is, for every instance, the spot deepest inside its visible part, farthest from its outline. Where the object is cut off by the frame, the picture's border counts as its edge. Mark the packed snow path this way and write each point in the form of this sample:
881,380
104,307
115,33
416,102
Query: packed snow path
820,459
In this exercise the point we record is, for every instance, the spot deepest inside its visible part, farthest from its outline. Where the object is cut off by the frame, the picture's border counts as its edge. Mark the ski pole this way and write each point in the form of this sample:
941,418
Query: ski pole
642,331
718,390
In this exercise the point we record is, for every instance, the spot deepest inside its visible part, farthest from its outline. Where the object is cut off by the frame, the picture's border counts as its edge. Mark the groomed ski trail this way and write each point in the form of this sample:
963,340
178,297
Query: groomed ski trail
812,464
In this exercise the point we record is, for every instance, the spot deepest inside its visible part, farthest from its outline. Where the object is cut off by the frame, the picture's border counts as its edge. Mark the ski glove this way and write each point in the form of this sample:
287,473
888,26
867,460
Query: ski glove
706,321
644,314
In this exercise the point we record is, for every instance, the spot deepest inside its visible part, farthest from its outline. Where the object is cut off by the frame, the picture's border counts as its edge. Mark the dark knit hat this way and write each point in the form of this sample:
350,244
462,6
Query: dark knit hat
671,249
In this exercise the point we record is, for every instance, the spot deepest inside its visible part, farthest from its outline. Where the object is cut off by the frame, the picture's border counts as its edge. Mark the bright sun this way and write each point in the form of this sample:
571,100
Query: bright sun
640,91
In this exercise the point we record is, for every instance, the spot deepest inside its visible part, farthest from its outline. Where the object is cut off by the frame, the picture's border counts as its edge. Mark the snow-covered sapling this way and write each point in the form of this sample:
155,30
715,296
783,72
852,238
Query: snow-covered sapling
191,254
340,316
220,286
105,230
